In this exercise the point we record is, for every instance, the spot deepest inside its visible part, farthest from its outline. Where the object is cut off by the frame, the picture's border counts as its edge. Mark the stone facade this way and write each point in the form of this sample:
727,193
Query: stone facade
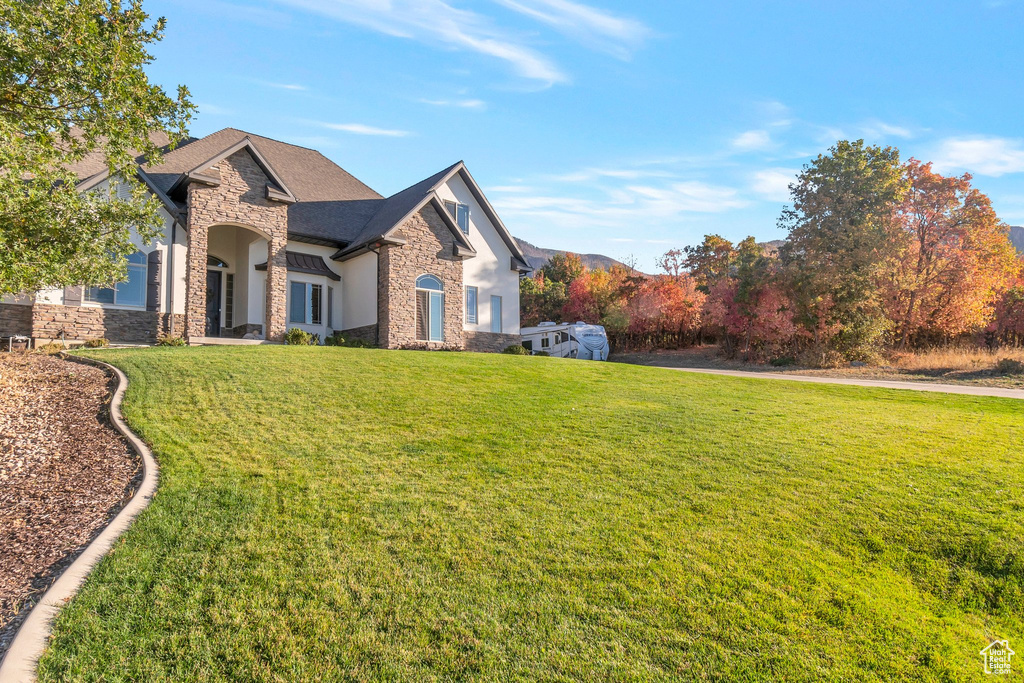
239,331
490,342
240,199
429,248
367,333
82,323
15,319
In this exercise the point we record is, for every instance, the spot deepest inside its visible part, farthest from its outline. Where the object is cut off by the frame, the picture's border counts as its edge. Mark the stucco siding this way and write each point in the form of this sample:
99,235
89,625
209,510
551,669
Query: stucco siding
359,291
490,270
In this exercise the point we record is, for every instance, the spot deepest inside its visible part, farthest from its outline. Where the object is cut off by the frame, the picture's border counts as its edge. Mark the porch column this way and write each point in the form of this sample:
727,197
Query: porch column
276,320
195,282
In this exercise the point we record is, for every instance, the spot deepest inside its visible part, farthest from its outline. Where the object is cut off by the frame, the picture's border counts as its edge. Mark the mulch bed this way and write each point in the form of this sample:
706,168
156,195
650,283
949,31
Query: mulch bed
64,473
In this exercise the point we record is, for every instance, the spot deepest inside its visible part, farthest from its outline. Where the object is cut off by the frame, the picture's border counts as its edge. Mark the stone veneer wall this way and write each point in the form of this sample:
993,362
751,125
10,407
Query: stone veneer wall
239,331
490,342
240,199
430,249
15,319
367,333
81,323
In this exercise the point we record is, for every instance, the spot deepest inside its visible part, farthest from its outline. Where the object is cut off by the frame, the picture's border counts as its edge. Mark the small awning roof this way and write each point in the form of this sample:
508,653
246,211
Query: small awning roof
305,263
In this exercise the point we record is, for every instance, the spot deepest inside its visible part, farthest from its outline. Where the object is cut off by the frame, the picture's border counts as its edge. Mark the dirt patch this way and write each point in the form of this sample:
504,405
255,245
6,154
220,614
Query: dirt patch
64,473
943,368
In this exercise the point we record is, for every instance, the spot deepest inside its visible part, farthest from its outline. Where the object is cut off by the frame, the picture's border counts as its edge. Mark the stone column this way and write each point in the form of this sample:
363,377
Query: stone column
275,318
195,282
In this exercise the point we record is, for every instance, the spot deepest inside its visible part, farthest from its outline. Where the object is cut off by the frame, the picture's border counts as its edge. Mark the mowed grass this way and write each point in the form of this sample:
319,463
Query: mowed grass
347,514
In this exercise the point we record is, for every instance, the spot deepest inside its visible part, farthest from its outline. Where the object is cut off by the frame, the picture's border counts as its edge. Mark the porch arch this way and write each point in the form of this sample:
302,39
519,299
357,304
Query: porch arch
236,309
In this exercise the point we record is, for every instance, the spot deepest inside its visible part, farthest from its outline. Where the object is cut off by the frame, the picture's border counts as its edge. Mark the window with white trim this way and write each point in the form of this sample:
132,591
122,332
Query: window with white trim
471,297
306,303
429,308
460,212
131,292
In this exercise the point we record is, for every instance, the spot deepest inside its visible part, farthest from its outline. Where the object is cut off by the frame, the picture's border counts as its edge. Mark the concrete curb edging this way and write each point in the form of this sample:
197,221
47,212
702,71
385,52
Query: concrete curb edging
19,664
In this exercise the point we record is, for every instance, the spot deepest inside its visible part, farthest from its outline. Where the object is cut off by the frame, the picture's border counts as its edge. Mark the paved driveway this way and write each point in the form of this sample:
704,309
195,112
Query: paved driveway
877,383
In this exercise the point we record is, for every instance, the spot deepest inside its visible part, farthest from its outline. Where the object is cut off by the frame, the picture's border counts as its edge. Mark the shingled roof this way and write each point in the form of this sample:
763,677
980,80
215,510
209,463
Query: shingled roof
327,204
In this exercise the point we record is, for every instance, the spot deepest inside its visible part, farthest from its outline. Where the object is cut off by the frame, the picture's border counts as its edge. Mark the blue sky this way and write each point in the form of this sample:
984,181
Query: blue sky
623,128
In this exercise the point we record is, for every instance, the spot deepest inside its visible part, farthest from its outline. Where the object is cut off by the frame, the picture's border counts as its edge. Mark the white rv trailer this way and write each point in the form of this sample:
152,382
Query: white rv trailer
567,340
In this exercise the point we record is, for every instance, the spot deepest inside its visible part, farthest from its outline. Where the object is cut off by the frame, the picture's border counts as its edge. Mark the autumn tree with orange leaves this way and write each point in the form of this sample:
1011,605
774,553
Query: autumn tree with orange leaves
951,259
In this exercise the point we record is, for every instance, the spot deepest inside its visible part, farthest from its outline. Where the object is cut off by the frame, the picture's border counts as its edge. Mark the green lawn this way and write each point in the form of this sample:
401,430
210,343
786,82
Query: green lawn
346,514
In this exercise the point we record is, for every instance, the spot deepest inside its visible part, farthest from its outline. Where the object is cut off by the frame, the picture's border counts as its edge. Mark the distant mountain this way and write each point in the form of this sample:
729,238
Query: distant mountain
537,257
1017,237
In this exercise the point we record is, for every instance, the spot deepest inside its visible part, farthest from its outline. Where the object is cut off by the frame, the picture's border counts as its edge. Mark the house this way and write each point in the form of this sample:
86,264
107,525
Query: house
261,236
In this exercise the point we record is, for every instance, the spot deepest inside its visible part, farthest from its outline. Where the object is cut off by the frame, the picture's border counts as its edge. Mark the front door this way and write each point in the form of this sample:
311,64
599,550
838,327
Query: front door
213,279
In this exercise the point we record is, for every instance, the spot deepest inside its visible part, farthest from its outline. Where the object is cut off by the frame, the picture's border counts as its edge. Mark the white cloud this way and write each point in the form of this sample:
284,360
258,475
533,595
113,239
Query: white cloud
880,129
591,174
980,155
284,86
363,129
629,208
478,105
436,22
617,35
752,140
773,183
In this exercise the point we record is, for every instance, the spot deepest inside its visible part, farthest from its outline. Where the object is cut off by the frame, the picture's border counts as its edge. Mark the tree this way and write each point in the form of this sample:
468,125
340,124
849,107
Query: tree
564,268
673,262
665,311
72,85
596,297
750,306
952,257
842,215
1007,324
709,261
541,299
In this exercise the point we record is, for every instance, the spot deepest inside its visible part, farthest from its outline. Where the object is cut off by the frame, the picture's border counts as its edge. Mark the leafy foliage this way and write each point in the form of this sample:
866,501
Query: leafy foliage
516,350
841,218
73,85
298,337
169,340
950,258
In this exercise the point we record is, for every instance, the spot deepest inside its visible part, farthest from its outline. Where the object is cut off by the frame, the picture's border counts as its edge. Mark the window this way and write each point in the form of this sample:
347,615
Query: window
429,308
528,345
495,314
214,262
131,292
460,212
471,305
306,304
330,307
229,300
315,305
545,342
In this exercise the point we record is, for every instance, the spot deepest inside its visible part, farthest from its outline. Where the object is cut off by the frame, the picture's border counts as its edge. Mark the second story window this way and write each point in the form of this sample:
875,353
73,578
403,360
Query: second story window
460,212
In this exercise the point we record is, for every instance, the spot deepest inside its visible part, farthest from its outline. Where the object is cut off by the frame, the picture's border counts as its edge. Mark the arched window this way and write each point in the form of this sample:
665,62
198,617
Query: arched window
214,262
429,282
429,308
